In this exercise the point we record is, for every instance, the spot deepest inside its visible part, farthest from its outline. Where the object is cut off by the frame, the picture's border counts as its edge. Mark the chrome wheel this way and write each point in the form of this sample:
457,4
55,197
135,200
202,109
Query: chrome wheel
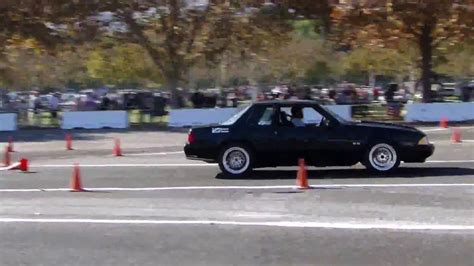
236,160
383,157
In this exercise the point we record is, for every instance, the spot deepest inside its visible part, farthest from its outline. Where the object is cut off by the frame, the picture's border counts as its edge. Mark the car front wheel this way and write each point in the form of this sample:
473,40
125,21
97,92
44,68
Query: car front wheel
382,158
236,160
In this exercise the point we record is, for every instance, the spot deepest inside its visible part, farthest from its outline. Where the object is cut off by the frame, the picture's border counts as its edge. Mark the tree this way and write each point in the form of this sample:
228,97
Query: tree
455,62
428,24
285,62
375,60
302,59
174,33
177,36
317,10
118,66
28,66
48,22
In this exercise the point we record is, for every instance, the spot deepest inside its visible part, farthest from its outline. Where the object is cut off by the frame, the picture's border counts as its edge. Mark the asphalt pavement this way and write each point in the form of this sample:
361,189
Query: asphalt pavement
154,207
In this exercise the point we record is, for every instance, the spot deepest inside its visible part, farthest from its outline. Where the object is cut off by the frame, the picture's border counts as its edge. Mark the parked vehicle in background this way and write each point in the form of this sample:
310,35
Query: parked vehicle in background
69,101
354,94
449,92
3,99
466,91
444,92
44,101
148,102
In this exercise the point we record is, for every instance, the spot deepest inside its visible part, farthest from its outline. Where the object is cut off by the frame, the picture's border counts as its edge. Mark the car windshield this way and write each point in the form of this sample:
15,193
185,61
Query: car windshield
235,117
336,116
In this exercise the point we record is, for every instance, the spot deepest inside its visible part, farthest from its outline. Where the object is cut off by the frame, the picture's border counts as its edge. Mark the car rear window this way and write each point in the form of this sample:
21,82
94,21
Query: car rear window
235,117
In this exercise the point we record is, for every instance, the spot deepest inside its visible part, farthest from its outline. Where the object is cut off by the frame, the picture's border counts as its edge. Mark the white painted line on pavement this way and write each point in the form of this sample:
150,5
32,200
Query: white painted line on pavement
150,188
443,129
450,161
450,142
35,190
242,187
154,153
127,165
182,164
434,129
402,225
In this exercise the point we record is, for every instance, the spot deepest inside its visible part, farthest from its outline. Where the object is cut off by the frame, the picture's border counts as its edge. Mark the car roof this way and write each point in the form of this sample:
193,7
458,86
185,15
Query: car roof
287,102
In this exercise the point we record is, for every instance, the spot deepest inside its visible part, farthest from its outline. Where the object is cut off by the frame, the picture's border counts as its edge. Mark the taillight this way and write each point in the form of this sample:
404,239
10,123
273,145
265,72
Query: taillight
191,137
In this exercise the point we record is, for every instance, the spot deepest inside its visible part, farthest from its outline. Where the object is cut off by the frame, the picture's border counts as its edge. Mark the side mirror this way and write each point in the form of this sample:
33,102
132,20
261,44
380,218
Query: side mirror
327,123
324,122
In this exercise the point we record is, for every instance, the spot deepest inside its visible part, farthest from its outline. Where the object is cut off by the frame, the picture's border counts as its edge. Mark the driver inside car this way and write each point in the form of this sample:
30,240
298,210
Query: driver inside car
297,116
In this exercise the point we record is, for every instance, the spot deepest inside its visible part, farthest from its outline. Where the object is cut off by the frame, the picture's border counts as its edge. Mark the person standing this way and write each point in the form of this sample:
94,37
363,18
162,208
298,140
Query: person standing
466,92
35,102
390,93
105,103
53,108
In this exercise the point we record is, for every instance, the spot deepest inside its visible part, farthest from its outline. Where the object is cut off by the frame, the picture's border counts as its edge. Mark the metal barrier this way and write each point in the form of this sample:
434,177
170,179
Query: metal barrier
44,118
379,112
376,112
95,119
8,121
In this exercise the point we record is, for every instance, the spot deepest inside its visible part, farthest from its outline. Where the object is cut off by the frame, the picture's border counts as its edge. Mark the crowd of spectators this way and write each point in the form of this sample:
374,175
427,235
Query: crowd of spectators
86,100
156,102
343,94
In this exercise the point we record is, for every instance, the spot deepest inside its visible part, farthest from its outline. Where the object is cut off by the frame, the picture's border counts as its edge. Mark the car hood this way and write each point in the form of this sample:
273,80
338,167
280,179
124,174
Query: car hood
385,126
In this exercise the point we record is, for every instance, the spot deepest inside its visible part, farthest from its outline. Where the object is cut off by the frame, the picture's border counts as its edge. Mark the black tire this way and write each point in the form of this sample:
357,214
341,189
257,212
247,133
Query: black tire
237,152
381,157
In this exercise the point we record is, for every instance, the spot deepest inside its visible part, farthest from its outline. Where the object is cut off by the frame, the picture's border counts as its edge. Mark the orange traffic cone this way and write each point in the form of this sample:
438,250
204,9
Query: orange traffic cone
24,165
6,158
76,185
10,144
68,142
117,148
456,135
302,175
443,122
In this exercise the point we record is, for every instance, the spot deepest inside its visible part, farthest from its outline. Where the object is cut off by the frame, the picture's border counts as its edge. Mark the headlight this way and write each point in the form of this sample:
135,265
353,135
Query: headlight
424,141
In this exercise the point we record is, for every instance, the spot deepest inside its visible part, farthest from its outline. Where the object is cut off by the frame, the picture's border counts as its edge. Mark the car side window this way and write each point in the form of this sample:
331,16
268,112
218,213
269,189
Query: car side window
310,117
266,117
261,116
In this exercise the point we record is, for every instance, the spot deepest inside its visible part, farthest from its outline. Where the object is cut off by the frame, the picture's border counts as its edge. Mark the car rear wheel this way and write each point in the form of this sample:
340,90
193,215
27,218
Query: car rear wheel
236,160
382,158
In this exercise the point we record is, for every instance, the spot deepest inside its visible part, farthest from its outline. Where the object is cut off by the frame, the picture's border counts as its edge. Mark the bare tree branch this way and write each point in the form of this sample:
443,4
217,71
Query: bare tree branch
137,32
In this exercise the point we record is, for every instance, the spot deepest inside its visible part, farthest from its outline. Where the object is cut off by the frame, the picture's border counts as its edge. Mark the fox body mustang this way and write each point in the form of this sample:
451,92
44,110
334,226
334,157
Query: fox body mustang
278,133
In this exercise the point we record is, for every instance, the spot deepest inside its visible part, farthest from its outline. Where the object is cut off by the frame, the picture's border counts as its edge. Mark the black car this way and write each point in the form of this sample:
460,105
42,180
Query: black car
278,133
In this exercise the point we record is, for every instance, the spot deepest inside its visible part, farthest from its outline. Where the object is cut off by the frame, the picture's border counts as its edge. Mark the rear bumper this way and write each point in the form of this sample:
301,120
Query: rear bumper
418,153
199,154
